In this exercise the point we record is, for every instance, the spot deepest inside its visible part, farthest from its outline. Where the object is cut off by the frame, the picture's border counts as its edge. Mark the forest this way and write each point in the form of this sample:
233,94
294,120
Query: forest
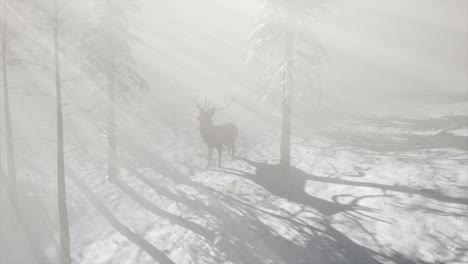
239,132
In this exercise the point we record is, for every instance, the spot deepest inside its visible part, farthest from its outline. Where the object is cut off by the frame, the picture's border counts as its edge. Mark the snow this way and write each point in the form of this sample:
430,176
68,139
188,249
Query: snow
460,132
340,204
373,181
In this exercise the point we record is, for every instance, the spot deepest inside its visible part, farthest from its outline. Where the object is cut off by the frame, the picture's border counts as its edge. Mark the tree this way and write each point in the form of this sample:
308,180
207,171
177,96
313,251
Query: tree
60,18
61,187
10,153
110,62
286,28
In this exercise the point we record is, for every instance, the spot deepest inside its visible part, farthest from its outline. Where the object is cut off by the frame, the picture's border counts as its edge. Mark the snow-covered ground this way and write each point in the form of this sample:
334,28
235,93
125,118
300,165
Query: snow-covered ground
362,191
380,176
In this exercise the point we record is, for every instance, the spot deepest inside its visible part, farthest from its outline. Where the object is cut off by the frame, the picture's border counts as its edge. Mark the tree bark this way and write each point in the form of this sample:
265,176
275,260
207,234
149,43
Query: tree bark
286,104
111,127
10,154
65,257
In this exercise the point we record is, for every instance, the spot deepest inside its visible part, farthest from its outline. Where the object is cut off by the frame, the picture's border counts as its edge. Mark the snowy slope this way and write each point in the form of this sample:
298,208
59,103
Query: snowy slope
347,201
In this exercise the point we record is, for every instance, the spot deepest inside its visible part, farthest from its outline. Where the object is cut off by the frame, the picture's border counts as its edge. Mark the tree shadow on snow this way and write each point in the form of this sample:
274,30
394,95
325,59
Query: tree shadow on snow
290,185
228,217
324,244
243,236
178,220
158,255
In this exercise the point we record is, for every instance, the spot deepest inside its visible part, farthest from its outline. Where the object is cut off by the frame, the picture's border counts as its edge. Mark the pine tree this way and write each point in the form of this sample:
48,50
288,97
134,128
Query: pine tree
56,20
110,62
10,153
284,39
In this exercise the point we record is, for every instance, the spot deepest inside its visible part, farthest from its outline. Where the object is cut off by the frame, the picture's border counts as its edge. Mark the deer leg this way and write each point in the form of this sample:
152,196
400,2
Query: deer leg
210,152
220,151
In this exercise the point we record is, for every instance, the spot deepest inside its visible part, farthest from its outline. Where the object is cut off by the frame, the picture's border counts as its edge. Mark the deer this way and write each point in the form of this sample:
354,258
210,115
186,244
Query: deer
216,136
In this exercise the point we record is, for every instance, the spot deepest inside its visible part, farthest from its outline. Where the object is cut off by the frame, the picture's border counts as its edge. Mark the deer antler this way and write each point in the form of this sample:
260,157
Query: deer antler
210,105
205,105
224,107
198,105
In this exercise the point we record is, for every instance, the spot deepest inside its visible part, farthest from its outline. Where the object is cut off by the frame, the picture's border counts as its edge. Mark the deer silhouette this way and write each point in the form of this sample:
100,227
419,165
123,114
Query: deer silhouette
216,136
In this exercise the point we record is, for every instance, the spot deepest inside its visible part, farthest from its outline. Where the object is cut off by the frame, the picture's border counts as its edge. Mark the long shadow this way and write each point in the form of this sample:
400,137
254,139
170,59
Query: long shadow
385,145
155,253
158,188
197,205
156,162
226,216
200,230
432,194
237,229
323,243
271,177
290,184
253,241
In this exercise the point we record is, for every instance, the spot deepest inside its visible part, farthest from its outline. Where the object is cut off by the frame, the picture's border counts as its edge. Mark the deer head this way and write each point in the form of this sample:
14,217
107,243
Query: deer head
208,111
219,135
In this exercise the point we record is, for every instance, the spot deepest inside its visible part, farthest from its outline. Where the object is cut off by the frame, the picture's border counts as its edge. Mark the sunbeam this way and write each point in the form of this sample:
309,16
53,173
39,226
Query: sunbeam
216,131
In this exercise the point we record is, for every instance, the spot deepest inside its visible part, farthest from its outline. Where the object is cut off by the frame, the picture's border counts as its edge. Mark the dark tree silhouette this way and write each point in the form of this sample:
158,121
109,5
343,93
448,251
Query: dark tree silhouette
61,188
10,153
57,21
110,62
285,28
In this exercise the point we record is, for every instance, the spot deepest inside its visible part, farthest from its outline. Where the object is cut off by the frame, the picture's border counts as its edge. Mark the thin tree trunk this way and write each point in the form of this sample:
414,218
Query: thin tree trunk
3,180
285,147
65,257
2,175
10,153
111,127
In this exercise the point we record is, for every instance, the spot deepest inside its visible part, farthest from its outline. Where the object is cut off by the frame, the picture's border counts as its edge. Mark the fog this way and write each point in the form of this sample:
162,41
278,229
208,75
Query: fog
215,131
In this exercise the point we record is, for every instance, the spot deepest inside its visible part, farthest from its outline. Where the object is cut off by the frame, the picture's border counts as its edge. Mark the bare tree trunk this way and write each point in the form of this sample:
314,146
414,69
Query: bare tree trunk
65,257
285,148
111,127
3,180
10,154
2,175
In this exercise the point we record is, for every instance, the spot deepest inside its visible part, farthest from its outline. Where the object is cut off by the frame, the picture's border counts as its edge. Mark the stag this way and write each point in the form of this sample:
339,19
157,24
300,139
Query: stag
216,136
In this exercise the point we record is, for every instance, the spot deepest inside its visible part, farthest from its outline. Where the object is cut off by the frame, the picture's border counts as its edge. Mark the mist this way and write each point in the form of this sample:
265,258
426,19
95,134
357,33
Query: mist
214,131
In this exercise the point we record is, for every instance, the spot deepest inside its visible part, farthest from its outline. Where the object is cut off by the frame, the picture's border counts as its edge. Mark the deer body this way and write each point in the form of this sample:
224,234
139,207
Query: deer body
216,136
